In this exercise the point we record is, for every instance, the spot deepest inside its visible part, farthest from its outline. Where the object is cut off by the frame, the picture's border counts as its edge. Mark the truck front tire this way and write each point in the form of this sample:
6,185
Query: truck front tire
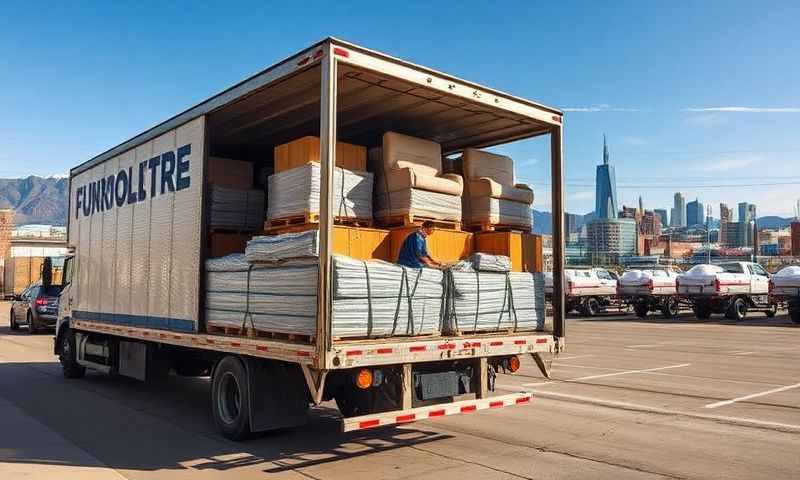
794,313
670,307
641,309
230,399
12,324
67,356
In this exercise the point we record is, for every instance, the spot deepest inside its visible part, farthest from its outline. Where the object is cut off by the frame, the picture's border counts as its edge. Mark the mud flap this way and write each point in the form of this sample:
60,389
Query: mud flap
544,361
279,396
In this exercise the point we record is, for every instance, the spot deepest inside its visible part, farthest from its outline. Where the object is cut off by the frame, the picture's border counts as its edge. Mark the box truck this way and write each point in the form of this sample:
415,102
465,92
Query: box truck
134,299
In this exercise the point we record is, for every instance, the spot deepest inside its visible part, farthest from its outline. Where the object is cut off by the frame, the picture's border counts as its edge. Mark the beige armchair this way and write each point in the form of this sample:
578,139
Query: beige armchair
491,195
409,180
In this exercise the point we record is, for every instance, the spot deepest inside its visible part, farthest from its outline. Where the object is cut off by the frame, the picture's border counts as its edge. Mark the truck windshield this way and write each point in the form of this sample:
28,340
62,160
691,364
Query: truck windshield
732,268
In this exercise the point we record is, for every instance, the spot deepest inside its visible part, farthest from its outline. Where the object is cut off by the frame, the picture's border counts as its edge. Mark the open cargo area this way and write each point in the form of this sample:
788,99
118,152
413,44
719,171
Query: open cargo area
406,150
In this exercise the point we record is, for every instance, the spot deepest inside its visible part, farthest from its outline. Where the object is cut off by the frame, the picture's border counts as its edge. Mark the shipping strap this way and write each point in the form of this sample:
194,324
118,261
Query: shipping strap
478,299
399,299
369,299
247,314
508,300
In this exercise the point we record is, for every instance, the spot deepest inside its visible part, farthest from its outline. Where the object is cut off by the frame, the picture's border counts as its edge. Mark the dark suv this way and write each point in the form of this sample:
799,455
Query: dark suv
36,307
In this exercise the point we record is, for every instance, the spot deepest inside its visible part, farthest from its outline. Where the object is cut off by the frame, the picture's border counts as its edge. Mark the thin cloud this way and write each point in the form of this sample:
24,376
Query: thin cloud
583,195
604,107
745,109
726,165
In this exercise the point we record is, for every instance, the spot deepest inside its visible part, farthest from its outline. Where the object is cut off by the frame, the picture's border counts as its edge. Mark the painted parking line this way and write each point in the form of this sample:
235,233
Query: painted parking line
604,375
561,359
628,372
742,353
752,395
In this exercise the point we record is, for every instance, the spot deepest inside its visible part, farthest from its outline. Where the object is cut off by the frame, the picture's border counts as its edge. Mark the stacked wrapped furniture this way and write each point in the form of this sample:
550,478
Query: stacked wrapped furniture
409,182
491,196
295,192
487,301
236,209
273,288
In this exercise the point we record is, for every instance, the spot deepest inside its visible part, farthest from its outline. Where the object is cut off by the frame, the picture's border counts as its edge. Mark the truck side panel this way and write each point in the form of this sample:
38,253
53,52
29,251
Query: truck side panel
135,221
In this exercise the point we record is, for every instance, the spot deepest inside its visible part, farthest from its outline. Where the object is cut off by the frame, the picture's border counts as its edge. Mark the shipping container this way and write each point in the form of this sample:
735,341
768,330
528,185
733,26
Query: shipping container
134,301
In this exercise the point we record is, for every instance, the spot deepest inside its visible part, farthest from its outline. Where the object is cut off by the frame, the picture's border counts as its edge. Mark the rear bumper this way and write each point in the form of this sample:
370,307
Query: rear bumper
434,411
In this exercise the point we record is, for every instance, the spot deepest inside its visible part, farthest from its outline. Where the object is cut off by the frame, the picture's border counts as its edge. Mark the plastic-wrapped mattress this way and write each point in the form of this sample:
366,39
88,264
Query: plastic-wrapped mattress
296,192
237,209
787,277
485,302
277,248
416,202
486,262
497,212
370,299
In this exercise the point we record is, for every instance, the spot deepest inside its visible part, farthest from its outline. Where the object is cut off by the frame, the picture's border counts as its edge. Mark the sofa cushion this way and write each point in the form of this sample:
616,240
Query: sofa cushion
486,187
477,164
404,178
401,151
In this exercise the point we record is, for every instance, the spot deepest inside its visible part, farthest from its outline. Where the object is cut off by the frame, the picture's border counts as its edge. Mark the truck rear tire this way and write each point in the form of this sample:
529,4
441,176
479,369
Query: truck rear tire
670,307
737,310
67,356
794,314
641,309
701,311
230,399
591,307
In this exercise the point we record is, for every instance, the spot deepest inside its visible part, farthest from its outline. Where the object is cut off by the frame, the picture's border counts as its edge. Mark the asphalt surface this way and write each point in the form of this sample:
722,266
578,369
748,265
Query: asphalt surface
629,399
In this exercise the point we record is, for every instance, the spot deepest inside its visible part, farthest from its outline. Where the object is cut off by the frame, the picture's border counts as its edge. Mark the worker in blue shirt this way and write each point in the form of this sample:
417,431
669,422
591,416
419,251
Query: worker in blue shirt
414,251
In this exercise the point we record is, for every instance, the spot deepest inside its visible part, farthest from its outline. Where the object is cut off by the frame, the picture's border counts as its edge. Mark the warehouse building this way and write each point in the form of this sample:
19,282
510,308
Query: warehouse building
610,239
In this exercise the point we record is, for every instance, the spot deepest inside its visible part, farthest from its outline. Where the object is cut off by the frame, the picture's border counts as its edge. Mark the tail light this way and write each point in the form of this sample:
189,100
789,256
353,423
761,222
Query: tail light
650,285
570,286
717,285
513,364
677,283
41,302
771,286
364,378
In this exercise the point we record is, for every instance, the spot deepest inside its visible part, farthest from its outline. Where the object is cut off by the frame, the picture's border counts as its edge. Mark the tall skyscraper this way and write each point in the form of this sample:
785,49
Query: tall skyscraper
678,214
605,199
695,213
747,225
725,218
662,212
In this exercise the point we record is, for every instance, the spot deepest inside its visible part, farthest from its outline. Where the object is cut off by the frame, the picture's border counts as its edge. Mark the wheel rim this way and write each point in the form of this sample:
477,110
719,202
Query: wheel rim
672,306
740,309
229,399
66,348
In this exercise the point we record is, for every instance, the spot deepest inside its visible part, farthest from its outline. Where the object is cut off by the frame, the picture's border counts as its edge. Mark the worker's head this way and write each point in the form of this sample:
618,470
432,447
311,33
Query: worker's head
427,227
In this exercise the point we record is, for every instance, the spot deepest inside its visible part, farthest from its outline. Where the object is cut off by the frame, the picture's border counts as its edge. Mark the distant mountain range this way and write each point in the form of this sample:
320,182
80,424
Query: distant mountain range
543,222
35,199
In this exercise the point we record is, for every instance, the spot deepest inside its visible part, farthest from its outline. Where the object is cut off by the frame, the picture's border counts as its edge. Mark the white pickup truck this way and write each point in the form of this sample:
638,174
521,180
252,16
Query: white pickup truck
732,288
650,289
588,290
784,286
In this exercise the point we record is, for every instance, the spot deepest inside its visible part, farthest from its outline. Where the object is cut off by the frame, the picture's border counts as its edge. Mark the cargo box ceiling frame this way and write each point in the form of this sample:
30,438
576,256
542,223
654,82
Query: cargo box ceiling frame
340,91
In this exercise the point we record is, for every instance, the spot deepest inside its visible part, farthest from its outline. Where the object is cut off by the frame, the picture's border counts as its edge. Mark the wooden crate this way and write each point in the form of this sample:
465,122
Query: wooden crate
224,243
444,245
306,150
361,243
524,249
228,173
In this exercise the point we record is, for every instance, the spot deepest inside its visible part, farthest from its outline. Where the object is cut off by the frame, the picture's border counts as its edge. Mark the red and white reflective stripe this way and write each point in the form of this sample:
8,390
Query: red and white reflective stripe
422,413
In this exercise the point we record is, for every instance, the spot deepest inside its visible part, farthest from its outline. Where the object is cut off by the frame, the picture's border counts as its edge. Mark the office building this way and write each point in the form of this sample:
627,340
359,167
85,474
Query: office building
570,223
678,214
605,188
695,213
610,239
662,212
725,217
795,244
747,225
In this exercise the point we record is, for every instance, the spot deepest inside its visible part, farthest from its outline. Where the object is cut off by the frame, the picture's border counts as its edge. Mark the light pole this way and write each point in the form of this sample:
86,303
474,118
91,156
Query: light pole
708,232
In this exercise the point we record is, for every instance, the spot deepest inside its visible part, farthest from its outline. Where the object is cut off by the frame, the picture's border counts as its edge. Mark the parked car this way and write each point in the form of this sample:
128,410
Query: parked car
588,290
650,289
36,307
784,287
731,288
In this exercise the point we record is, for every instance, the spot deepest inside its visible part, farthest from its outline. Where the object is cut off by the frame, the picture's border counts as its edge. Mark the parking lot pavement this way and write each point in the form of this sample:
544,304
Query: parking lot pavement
628,399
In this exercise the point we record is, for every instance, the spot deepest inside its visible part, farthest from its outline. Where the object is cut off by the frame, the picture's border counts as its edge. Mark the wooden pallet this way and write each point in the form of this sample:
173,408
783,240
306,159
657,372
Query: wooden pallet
250,332
308,221
496,227
409,220
238,231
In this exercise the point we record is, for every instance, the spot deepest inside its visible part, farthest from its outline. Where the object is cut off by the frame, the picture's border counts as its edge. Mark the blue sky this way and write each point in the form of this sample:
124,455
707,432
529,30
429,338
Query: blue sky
701,97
